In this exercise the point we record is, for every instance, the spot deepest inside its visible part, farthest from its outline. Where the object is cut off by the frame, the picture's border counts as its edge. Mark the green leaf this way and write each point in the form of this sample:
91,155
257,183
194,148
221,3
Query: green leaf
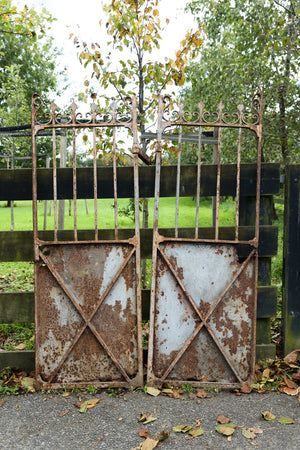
196,432
226,429
286,420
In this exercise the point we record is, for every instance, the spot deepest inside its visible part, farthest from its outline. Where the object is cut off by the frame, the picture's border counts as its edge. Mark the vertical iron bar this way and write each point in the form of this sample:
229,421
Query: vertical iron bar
95,184
54,183
238,185
34,182
74,185
178,181
115,183
218,184
198,182
137,230
155,234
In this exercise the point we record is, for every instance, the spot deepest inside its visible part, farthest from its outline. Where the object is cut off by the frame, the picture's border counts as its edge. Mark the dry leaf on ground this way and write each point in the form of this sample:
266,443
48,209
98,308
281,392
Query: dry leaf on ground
163,436
1,401
226,429
292,357
149,444
153,391
144,433
248,434
182,428
290,384
146,418
20,347
246,389
200,393
223,419
267,415
87,404
289,391
195,432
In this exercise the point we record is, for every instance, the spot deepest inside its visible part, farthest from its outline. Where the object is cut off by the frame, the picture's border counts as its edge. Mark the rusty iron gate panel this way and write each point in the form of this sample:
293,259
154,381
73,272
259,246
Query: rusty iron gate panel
87,293
203,292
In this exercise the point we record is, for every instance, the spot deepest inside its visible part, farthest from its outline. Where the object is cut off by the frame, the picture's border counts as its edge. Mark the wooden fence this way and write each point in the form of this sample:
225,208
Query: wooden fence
291,260
18,245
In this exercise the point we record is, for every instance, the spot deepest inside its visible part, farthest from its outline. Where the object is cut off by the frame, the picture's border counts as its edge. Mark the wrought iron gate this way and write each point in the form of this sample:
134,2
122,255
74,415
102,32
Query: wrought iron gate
203,292
87,292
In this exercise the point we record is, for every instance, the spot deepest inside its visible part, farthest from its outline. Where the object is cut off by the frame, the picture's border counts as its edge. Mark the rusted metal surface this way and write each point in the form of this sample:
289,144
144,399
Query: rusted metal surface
203,297
87,293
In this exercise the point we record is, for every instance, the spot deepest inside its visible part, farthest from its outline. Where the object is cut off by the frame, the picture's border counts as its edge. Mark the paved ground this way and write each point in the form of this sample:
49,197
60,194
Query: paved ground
51,421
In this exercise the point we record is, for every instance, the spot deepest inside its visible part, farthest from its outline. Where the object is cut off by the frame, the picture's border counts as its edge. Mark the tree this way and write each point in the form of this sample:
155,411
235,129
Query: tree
27,65
24,43
249,43
134,29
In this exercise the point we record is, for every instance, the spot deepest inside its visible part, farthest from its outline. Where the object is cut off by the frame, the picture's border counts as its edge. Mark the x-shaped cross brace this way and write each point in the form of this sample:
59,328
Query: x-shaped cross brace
87,320
204,320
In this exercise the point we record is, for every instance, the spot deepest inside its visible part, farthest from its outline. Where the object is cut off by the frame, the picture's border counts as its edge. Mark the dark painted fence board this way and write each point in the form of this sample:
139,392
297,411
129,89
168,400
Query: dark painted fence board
19,307
17,185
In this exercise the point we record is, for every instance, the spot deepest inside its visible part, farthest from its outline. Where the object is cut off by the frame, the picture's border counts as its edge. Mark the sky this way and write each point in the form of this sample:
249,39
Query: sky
82,19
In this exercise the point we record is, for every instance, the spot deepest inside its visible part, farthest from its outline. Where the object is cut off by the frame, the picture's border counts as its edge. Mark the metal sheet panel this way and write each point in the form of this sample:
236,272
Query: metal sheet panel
204,310
86,314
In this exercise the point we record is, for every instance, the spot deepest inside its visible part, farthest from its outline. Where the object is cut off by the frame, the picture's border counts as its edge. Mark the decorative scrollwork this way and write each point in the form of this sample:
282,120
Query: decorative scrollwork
117,114
220,117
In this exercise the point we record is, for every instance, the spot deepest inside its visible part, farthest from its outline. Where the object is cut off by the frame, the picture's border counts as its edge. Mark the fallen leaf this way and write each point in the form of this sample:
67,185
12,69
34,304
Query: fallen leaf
192,396
200,393
290,384
267,415
182,428
286,420
223,419
1,402
144,433
266,373
86,404
28,383
146,418
226,429
296,376
153,391
66,394
120,418
149,444
167,391
195,432
246,389
248,434
163,436
20,347
290,391
292,357
256,430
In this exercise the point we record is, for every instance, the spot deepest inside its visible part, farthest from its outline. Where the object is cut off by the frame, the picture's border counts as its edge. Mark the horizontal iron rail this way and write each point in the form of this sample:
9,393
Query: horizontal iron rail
18,245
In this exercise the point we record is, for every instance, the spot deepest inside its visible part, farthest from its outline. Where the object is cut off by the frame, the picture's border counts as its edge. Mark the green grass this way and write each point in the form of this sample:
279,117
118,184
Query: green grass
187,214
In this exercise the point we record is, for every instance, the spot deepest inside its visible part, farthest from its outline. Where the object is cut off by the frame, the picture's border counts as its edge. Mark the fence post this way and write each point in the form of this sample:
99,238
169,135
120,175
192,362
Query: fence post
264,349
291,261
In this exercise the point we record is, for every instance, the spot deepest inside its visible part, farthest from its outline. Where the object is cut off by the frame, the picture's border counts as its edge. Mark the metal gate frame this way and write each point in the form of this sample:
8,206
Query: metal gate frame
162,358
82,325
